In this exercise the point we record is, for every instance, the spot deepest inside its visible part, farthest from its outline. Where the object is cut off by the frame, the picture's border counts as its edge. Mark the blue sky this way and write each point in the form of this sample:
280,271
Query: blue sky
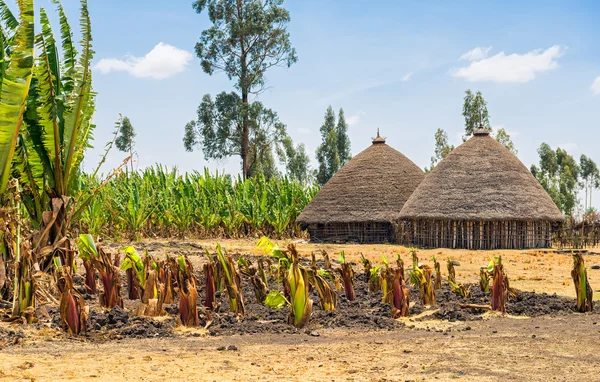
392,65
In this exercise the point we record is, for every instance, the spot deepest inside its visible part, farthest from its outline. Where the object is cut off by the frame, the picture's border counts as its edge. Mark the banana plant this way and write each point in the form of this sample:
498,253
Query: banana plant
16,73
582,287
438,274
88,252
59,127
233,282
499,285
73,310
347,275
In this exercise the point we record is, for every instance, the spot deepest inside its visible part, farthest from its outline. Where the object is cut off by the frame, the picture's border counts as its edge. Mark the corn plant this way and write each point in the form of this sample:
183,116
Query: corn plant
347,275
582,287
499,286
233,282
73,310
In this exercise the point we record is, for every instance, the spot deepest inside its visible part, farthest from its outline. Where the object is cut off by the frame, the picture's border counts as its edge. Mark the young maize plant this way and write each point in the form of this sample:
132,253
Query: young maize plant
300,302
400,294
233,282
367,267
347,274
451,272
328,299
499,286
438,274
582,287
73,310
423,277
484,279
88,252
253,274
188,295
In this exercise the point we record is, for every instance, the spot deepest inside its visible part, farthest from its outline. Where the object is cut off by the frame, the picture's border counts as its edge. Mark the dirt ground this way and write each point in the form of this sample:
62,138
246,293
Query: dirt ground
561,347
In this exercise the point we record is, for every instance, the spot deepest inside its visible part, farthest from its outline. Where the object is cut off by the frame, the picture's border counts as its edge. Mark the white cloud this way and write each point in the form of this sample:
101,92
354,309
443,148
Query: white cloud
163,61
406,77
512,68
476,54
596,86
355,119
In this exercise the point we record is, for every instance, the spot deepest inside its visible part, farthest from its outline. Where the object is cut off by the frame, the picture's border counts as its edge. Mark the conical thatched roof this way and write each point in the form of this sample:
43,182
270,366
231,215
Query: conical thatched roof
372,187
481,180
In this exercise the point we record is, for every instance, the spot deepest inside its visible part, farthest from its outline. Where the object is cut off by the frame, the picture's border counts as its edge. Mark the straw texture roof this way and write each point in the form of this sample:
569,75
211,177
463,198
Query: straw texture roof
481,180
372,187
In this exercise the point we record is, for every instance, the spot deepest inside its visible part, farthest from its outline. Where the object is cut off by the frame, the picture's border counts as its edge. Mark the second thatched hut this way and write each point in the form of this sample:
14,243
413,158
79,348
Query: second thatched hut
481,196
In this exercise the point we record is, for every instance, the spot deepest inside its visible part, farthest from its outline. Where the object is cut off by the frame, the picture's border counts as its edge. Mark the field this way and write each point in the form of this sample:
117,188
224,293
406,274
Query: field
560,345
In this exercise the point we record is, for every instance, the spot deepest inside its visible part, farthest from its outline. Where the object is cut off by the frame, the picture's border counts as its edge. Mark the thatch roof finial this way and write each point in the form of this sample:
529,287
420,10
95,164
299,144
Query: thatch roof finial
378,139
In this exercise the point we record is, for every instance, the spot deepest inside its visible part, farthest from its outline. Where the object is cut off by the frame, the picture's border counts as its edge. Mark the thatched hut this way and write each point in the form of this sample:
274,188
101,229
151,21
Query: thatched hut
363,199
480,196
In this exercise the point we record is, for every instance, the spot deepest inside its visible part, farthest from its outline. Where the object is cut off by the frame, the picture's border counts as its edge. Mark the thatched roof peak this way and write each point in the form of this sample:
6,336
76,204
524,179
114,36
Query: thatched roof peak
481,180
481,132
378,139
372,187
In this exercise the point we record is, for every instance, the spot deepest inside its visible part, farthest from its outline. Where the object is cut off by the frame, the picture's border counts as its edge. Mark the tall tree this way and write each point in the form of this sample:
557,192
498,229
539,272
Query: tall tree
327,152
247,37
590,179
220,126
125,141
297,162
503,137
558,173
343,140
475,113
442,148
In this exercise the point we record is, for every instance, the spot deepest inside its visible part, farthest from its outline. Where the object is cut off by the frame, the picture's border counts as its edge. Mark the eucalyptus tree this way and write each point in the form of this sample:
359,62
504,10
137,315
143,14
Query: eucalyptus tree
246,39
334,151
590,179
442,148
125,140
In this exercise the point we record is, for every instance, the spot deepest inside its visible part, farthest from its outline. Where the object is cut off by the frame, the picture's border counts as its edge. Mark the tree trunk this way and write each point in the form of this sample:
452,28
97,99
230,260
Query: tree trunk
245,136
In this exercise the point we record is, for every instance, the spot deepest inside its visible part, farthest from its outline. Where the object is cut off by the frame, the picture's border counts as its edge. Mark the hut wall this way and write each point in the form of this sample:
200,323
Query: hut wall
367,232
476,235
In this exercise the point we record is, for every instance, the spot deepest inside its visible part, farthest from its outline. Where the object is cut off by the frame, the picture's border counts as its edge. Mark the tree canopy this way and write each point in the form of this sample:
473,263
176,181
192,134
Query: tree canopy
558,173
334,151
247,37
